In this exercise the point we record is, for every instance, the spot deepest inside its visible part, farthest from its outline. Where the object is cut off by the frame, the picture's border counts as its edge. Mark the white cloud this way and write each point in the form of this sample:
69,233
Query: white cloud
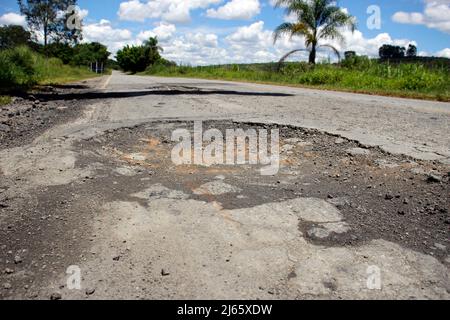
436,15
13,19
250,34
253,43
205,45
195,49
167,10
445,53
236,9
83,13
292,17
105,33
208,40
369,46
164,31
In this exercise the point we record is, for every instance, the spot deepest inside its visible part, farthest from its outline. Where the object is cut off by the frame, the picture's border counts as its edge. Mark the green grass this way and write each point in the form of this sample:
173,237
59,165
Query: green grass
52,71
21,69
4,100
362,75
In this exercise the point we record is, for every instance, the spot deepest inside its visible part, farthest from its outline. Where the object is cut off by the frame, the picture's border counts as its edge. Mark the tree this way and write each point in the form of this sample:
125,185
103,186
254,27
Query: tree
316,20
412,51
87,53
139,58
349,55
13,36
50,17
388,51
133,59
63,51
154,49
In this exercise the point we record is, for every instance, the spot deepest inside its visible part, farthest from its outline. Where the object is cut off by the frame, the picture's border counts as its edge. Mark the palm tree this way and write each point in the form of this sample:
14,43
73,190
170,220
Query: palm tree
317,20
153,49
152,44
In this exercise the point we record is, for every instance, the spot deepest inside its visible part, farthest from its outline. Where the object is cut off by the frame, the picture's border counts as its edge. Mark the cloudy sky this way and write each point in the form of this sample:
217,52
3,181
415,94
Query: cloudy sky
199,32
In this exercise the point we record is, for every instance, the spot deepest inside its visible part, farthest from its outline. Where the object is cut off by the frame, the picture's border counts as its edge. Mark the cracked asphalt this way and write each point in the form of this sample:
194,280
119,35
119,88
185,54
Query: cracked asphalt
358,210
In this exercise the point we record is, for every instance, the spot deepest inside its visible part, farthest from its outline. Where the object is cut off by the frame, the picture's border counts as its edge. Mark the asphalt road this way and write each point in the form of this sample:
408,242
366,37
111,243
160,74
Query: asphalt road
359,208
416,128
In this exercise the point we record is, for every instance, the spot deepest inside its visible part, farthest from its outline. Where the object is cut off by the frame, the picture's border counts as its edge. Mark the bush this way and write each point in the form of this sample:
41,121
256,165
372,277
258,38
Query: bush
17,69
62,51
416,78
87,53
24,59
160,66
133,59
21,68
349,54
321,77
139,58
357,62
79,55
12,36
359,74
294,69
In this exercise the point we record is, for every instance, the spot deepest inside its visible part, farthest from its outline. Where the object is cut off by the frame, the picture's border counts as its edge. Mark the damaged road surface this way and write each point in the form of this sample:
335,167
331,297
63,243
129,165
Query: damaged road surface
93,207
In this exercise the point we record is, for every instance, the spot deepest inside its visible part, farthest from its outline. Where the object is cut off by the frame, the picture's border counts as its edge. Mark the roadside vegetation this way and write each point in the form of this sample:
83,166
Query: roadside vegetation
61,58
135,59
397,72
361,74
317,21
21,68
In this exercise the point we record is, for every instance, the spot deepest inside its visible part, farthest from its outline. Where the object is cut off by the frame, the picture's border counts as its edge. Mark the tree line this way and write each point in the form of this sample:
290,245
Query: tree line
60,26
58,23
388,51
139,58
78,54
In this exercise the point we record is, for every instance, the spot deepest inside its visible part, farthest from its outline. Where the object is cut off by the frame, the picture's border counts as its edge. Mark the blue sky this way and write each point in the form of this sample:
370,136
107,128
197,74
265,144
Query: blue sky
218,31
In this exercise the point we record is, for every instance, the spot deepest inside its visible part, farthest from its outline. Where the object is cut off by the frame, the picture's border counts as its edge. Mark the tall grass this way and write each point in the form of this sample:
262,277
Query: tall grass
53,71
358,75
21,68
17,68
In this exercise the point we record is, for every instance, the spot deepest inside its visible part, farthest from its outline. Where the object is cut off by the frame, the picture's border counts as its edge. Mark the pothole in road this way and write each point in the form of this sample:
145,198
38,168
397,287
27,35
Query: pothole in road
379,195
329,191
